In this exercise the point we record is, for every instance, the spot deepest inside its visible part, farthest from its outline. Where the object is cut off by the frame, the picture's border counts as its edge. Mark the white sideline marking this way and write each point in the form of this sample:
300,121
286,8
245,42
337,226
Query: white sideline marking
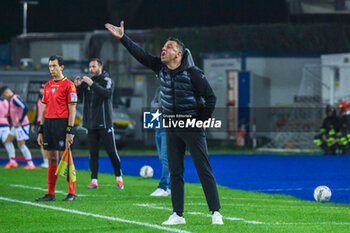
41,189
277,190
249,199
62,192
294,189
309,223
228,198
95,215
153,206
318,206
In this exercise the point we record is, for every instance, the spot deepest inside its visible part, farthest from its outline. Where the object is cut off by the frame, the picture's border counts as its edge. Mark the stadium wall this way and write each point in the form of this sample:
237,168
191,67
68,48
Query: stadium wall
284,70
335,78
285,74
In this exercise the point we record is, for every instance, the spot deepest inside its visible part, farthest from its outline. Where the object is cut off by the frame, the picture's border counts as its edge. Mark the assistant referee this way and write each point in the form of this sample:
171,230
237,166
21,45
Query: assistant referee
57,121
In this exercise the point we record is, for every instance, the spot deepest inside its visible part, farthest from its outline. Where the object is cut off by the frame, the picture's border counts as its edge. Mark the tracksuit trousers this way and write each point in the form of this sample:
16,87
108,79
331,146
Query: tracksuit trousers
107,139
195,141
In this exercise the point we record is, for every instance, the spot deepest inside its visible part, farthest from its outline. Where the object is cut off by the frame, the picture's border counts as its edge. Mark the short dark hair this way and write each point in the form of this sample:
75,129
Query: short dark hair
58,58
180,44
3,89
97,60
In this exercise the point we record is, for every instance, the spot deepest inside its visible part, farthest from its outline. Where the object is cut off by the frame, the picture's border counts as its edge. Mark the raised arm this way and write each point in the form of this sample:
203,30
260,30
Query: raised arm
135,50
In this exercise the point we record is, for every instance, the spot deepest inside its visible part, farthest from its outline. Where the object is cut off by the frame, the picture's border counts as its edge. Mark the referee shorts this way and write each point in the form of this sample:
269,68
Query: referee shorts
55,134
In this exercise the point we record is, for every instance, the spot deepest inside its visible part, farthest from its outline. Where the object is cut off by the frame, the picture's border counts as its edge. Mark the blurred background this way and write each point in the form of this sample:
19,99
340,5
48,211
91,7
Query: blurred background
274,64
279,68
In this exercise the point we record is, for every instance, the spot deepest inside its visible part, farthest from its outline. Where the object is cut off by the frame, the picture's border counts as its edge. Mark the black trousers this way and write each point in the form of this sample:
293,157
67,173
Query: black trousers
106,138
195,141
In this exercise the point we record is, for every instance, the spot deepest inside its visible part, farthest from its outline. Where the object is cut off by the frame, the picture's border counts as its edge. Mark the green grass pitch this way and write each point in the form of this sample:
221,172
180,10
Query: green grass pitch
133,210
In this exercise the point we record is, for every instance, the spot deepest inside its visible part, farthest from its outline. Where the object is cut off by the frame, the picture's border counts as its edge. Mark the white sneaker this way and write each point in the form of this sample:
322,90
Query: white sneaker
168,191
159,193
44,165
174,219
217,218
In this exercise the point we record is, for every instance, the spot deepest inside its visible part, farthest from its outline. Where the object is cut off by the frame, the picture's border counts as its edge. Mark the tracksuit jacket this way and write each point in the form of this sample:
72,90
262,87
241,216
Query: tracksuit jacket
97,99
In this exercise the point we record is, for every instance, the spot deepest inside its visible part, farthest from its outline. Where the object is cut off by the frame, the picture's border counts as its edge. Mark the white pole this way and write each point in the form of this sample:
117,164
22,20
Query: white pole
25,12
332,84
25,9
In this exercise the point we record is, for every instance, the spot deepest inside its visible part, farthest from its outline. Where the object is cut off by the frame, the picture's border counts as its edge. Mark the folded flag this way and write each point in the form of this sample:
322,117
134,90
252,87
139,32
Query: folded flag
66,167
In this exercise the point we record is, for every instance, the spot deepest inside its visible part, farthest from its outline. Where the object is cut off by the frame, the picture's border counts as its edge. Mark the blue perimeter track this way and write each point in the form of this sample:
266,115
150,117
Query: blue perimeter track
294,175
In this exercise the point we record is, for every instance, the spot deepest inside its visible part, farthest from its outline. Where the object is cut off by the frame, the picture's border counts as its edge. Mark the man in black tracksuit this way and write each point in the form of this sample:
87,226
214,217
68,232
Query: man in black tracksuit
183,90
97,93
